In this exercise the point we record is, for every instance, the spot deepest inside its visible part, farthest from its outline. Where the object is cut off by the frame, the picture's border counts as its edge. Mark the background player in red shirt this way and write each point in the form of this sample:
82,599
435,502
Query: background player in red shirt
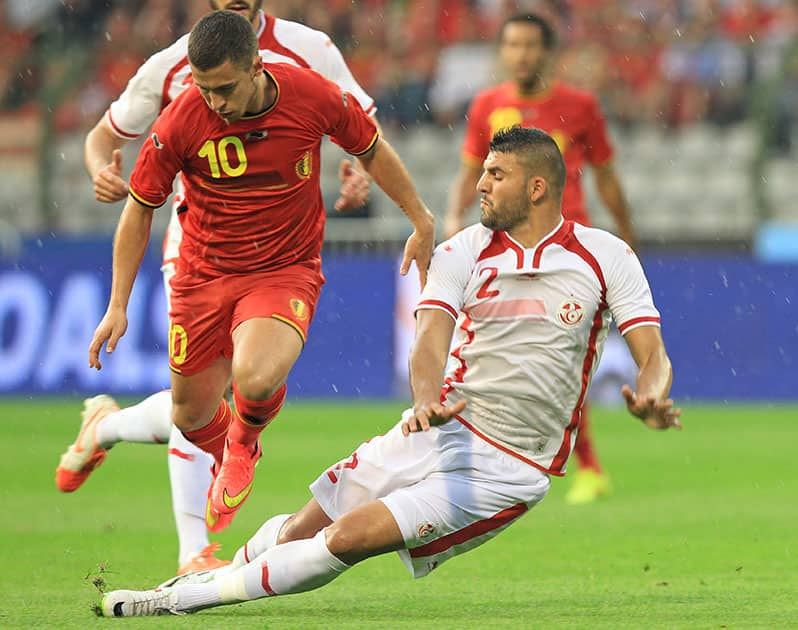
575,121
247,140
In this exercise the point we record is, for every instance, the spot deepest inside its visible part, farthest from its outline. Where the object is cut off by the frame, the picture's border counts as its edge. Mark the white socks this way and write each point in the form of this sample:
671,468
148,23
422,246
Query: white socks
294,567
263,540
190,476
150,422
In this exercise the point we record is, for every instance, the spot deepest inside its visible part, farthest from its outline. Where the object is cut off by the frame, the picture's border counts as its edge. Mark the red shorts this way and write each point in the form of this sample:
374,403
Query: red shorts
204,313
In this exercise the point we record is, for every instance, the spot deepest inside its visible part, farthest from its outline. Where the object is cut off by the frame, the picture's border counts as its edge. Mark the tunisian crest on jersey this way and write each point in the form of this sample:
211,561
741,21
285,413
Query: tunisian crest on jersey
304,167
571,313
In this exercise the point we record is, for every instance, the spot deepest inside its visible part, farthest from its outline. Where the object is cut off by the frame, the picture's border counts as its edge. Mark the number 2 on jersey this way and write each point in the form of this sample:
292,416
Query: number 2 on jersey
217,156
483,292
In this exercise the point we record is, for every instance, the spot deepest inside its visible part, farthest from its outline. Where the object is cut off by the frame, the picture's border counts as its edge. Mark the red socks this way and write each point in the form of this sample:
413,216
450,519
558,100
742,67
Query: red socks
211,437
583,449
253,415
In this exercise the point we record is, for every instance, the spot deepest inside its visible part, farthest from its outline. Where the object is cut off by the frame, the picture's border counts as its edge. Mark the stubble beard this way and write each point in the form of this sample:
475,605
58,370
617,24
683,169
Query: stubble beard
509,216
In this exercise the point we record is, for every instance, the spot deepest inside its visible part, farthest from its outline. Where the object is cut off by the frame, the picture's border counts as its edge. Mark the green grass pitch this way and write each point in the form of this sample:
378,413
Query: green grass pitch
701,531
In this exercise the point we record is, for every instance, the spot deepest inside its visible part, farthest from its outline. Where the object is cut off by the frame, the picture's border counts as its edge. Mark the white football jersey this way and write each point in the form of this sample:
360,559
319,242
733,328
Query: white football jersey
166,74
531,324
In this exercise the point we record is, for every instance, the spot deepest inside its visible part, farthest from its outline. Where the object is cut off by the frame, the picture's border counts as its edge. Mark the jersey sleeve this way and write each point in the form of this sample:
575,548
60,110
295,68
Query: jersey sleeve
450,270
331,65
348,125
138,106
159,160
476,143
598,148
628,294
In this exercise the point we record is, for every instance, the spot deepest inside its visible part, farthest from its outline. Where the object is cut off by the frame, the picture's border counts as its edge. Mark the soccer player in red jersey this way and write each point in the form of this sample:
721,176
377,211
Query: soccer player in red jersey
247,141
575,121
156,83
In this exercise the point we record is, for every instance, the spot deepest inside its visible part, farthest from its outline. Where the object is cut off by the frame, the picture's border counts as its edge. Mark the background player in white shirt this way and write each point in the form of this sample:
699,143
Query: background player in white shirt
157,82
532,295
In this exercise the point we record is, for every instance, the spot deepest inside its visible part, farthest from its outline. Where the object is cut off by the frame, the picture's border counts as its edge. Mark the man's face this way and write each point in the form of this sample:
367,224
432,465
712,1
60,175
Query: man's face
247,8
227,89
522,52
504,202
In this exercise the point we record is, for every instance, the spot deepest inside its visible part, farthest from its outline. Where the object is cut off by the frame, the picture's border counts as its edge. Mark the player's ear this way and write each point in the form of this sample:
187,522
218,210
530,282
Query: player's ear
257,65
536,188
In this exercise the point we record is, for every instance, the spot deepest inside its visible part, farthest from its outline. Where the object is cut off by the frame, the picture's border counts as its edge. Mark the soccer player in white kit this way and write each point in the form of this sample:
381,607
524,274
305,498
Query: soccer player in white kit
532,296
159,81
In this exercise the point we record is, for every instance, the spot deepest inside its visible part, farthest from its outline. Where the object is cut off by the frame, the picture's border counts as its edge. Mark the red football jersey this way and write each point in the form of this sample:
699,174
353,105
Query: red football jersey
572,117
253,200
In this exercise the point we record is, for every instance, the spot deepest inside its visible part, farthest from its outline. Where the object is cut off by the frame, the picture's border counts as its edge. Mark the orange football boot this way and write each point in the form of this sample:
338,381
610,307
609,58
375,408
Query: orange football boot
233,482
85,454
203,560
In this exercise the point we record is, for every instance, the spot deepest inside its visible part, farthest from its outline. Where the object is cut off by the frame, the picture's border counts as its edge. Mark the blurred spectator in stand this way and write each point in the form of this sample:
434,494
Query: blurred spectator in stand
465,67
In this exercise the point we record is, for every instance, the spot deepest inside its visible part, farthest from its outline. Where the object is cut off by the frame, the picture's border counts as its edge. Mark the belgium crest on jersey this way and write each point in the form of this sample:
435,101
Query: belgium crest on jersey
299,309
304,167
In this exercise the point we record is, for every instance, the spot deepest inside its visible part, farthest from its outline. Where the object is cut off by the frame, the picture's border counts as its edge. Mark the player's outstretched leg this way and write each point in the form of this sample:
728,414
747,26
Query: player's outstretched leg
293,567
590,481
103,425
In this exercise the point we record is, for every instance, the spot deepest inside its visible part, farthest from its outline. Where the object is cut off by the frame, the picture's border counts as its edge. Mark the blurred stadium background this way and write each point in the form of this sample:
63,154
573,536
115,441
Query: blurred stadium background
703,102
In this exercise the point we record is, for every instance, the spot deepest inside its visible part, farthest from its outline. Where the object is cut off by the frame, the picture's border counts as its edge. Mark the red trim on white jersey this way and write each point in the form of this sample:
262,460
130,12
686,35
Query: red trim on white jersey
566,238
500,243
116,128
576,417
500,519
622,328
504,449
275,46
459,373
167,82
558,238
441,304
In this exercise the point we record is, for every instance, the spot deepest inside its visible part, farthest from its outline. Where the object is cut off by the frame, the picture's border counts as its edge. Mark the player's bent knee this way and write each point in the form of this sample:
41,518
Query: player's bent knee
255,385
296,528
347,545
187,419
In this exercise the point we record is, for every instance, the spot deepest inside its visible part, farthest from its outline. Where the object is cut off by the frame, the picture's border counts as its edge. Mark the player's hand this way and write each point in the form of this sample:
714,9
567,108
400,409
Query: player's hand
108,183
657,414
426,415
354,187
419,248
110,329
451,226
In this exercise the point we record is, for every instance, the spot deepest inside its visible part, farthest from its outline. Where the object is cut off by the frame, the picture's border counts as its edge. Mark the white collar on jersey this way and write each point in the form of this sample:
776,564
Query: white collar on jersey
262,26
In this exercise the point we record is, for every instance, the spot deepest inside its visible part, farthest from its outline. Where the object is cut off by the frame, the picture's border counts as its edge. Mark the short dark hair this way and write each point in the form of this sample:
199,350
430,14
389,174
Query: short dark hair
222,36
536,149
546,29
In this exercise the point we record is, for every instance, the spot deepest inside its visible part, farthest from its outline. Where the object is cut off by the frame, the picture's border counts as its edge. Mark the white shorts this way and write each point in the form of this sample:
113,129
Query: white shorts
449,490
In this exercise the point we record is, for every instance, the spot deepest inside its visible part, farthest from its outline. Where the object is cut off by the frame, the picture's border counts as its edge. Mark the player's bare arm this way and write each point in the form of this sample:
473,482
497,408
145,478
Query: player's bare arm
650,401
130,243
387,169
434,330
355,183
461,195
609,189
103,158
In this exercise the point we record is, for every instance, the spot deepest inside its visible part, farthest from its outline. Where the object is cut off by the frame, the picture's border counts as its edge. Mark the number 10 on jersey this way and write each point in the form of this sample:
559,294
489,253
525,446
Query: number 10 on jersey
217,156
